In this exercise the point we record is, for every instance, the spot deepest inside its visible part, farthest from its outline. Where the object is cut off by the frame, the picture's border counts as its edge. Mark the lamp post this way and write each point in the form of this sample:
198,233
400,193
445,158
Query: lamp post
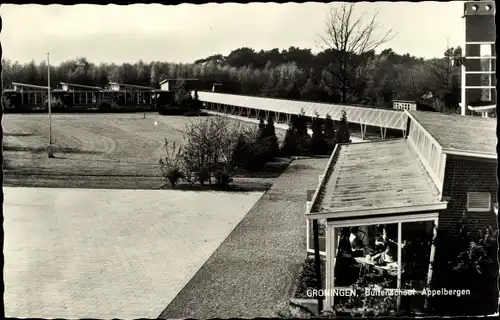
50,149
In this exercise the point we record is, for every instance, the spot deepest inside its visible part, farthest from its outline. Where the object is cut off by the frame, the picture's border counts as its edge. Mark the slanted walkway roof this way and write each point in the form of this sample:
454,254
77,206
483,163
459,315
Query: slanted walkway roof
468,134
131,85
375,178
80,86
482,108
387,118
25,85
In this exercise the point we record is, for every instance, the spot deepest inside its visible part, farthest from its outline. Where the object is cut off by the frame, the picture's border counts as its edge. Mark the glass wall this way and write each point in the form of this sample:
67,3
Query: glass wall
367,257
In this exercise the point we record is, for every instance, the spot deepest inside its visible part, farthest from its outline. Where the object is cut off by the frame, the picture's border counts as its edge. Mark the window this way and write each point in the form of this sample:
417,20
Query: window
478,201
485,53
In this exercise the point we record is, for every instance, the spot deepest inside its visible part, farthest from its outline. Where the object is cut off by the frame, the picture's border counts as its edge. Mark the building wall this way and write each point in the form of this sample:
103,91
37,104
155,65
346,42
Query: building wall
461,176
115,87
404,105
165,86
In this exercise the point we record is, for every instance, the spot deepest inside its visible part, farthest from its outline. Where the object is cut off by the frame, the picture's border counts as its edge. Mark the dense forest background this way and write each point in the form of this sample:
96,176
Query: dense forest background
346,70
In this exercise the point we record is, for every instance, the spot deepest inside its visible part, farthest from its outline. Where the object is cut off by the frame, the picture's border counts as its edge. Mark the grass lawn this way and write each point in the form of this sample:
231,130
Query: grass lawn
93,150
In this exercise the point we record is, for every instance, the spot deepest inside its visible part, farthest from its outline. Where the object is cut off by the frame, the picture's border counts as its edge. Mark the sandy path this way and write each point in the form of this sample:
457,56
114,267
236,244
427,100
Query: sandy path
85,253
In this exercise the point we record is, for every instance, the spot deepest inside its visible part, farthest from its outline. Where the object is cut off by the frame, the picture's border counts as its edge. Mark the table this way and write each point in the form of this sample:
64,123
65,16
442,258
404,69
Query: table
385,269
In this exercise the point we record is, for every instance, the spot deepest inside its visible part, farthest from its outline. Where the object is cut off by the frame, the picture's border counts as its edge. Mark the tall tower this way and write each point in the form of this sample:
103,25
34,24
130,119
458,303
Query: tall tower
479,64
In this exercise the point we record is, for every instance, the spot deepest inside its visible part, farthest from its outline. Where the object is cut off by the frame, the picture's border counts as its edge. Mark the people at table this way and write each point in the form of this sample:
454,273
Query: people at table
385,247
357,245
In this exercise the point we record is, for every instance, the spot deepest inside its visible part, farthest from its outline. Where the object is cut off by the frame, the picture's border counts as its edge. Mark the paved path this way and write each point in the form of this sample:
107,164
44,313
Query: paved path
254,269
74,253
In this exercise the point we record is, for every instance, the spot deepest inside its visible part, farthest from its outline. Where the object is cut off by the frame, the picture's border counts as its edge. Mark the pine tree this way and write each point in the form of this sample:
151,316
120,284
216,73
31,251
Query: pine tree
318,143
240,154
329,128
290,143
301,124
271,139
269,129
262,129
343,135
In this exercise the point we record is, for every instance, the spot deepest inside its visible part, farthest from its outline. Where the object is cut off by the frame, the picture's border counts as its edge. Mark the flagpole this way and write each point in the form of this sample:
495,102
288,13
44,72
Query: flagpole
50,149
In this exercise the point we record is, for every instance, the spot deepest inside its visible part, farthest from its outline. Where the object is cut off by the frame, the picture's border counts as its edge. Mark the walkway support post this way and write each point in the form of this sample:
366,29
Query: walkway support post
400,257
317,264
431,261
50,150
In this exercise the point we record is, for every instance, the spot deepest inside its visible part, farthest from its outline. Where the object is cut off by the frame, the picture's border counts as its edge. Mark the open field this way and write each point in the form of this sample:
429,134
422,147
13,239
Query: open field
85,253
92,150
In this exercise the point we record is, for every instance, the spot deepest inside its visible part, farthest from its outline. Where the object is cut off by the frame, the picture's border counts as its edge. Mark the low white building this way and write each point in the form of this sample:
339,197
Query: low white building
404,105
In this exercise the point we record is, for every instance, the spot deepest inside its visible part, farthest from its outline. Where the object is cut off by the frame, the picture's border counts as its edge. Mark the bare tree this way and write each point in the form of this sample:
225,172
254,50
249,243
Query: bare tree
350,40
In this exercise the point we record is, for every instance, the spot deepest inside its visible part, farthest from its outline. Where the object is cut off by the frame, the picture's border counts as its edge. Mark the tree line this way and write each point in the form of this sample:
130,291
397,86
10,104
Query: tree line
347,70
293,74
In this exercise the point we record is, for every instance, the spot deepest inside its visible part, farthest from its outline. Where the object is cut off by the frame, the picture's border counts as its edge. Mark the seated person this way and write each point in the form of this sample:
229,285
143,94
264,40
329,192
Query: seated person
356,243
389,255
381,240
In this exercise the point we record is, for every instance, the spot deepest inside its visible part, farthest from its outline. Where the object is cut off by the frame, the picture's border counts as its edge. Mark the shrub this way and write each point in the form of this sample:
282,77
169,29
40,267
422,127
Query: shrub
107,104
171,167
6,101
203,174
171,111
173,175
250,152
469,262
210,142
307,277
191,113
103,105
370,305
55,103
223,178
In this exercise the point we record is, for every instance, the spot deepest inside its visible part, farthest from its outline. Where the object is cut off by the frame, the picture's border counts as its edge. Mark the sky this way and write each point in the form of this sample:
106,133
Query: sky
184,33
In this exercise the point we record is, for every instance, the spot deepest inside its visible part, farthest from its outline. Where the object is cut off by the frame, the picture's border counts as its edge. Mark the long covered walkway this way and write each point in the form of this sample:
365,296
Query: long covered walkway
283,110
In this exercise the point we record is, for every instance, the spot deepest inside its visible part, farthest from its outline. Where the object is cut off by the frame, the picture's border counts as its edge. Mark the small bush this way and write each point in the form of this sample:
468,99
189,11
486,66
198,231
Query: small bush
56,103
371,305
307,278
203,174
173,175
171,166
107,104
223,179
171,111
191,113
